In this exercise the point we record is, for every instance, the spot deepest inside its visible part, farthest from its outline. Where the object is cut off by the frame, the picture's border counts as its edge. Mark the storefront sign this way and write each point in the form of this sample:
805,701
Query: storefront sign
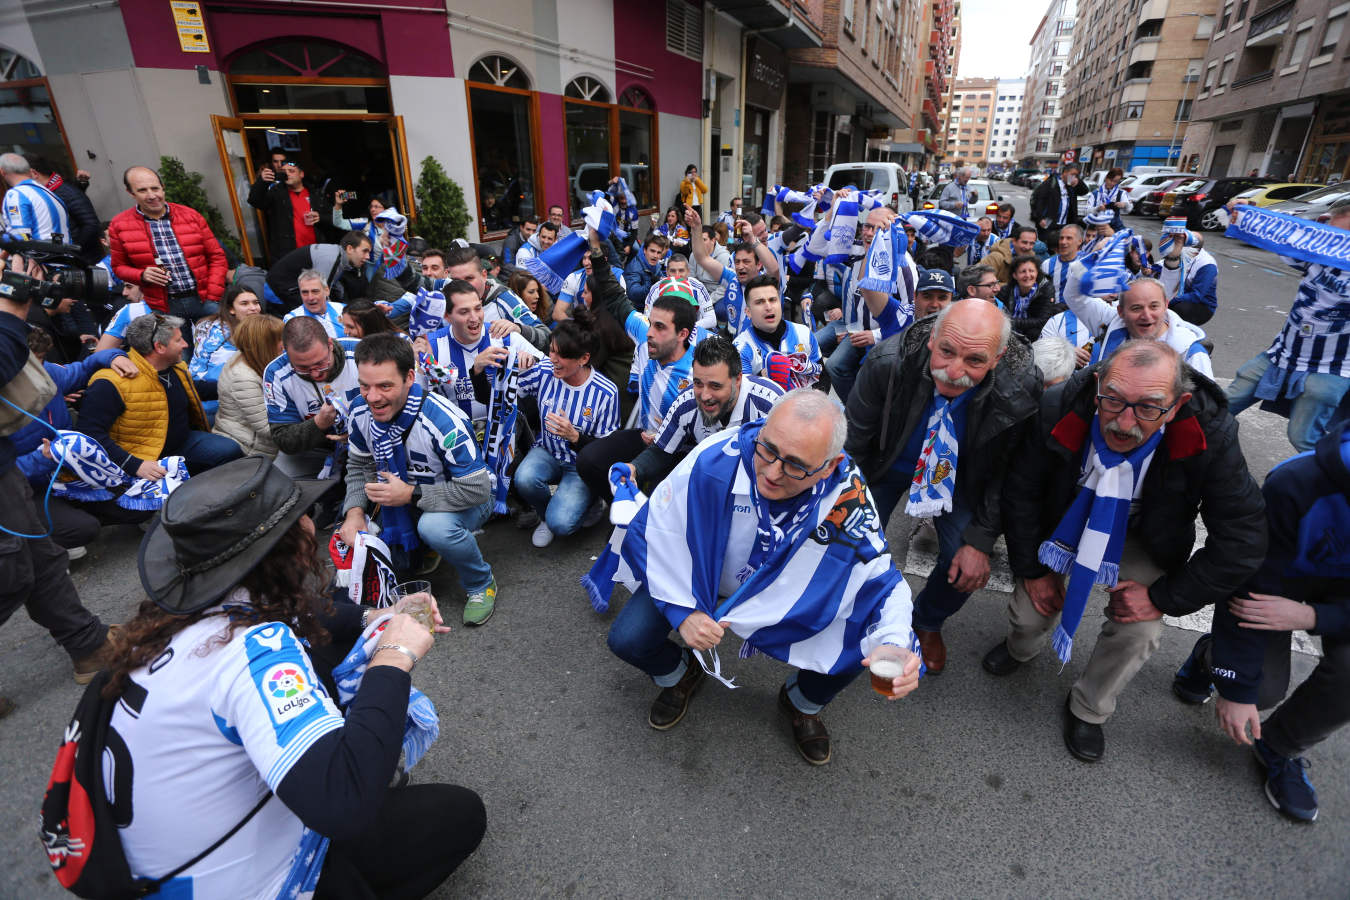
191,27
766,73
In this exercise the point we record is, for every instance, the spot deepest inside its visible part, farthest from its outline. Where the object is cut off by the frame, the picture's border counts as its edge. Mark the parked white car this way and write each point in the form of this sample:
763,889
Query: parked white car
1142,184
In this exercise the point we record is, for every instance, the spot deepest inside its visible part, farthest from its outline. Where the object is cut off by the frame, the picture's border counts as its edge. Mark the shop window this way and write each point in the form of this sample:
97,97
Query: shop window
503,130
587,88
30,124
587,133
637,131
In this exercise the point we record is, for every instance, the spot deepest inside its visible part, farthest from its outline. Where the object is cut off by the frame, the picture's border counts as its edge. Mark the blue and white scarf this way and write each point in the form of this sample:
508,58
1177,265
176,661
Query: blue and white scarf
458,370
934,482
1171,234
937,226
825,574
831,238
1301,239
1105,270
881,266
1021,302
1099,217
598,583
1088,542
499,444
387,446
98,475
1103,196
979,249
427,313
422,725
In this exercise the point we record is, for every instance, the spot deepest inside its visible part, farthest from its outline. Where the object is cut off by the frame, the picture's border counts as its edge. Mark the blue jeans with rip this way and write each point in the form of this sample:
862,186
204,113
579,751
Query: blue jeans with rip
938,600
562,511
1313,410
451,535
640,636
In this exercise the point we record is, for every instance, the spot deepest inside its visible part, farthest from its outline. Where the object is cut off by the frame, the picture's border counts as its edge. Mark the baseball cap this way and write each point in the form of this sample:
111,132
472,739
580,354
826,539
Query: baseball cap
935,280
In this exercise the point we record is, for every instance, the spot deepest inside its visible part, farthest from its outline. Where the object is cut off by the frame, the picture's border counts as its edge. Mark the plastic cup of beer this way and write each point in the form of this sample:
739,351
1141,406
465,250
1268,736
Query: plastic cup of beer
421,608
886,662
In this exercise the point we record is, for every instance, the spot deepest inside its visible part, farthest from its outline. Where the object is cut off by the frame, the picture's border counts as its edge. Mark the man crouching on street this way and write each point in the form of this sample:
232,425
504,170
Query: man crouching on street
767,530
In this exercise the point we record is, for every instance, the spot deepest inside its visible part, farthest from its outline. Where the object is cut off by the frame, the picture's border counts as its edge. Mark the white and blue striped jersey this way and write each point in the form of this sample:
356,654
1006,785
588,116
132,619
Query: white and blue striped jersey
571,288
798,344
1057,270
592,407
331,320
439,446
1066,325
292,398
656,385
33,213
122,318
1316,336
448,351
686,427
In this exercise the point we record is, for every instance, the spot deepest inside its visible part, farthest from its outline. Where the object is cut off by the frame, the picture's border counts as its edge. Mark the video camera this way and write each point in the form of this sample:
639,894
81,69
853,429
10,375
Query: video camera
70,277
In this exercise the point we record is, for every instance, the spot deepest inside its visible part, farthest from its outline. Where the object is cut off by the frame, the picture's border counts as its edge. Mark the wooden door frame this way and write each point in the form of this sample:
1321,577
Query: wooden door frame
219,124
536,152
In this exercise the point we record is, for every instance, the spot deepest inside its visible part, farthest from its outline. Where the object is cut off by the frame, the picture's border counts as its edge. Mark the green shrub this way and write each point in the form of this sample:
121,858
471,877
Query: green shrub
441,212
182,186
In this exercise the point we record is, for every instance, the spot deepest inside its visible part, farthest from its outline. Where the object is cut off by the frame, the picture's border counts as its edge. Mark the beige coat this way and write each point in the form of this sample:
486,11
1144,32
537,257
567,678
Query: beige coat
242,415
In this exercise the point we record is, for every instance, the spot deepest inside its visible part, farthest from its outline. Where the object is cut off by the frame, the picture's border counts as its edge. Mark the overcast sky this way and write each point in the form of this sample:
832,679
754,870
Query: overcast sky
996,42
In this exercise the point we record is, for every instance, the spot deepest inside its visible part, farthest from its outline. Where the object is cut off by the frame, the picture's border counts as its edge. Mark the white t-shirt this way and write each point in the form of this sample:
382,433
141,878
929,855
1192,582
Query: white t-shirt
207,735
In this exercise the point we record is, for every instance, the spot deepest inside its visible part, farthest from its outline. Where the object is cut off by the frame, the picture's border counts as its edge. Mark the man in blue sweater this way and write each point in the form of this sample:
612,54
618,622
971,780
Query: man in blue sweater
33,569
1304,584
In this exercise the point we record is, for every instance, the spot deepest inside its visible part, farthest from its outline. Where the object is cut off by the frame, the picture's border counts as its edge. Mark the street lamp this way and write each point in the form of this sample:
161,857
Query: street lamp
1176,126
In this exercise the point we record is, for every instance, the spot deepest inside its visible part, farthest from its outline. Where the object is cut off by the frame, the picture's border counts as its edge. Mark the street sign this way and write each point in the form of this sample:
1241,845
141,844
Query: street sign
1068,156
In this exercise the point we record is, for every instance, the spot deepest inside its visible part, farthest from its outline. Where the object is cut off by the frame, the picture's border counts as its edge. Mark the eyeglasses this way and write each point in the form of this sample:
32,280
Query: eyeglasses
1144,412
987,284
791,469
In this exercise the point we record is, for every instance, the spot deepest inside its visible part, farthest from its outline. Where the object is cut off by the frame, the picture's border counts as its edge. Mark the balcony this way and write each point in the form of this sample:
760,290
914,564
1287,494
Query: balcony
775,20
1254,78
1271,25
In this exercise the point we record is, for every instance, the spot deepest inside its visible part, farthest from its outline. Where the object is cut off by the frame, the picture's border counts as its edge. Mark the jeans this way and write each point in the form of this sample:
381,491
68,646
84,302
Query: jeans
1318,707
640,636
1313,410
563,510
76,522
938,599
33,574
190,309
451,535
203,450
843,366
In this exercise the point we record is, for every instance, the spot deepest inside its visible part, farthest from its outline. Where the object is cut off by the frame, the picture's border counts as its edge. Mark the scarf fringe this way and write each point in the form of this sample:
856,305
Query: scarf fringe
1057,556
1108,574
876,284
929,506
599,599
1063,644
143,503
75,490
747,650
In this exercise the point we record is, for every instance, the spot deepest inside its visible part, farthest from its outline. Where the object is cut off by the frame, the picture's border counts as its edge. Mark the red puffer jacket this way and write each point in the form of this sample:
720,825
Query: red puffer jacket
133,251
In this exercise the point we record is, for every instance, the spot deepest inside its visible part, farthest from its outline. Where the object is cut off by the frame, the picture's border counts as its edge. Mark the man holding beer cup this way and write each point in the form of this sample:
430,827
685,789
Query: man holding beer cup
766,530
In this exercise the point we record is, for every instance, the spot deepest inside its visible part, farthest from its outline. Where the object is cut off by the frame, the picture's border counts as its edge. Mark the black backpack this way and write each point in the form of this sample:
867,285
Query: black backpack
79,820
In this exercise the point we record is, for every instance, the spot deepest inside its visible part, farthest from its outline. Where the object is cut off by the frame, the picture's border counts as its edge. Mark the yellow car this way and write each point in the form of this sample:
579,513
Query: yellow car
1267,194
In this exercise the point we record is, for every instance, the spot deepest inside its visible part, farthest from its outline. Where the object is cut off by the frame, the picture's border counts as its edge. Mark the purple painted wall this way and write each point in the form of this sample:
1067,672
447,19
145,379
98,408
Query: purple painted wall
408,43
553,139
640,39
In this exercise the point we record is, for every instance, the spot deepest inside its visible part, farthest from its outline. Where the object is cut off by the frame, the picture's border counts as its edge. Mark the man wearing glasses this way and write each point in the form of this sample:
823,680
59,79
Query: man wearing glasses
980,282
309,390
767,530
290,210
933,423
1105,491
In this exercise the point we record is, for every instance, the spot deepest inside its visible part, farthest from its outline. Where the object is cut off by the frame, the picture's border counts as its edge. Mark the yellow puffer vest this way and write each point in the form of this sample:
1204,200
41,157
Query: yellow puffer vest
144,424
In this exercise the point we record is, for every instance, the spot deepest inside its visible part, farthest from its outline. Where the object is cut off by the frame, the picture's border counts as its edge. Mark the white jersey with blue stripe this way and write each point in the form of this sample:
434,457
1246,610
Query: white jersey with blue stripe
439,445
292,398
1316,336
592,407
33,213
797,344
122,318
1066,325
686,426
331,320
1057,270
657,385
447,351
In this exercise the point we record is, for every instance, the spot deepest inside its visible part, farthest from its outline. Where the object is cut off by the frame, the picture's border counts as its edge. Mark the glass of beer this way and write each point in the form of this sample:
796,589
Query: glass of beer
886,662
422,608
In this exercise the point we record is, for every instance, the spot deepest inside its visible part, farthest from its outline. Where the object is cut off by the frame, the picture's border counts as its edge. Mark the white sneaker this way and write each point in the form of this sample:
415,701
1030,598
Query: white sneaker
542,536
76,553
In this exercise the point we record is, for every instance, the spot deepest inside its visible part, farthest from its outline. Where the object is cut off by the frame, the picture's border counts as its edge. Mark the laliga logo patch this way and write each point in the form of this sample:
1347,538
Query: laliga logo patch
288,691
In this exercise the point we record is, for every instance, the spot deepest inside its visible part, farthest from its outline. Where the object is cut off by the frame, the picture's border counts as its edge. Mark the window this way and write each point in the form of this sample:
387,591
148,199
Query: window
1183,111
1141,69
1332,35
1299,48
637,137
1241,12
684,29
1210,73
1223,18
1223,72
503,130
30,113
846,10
1204,28
585,87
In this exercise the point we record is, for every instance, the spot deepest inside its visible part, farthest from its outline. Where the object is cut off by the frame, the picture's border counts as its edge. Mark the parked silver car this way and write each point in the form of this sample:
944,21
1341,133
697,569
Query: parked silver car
1314,203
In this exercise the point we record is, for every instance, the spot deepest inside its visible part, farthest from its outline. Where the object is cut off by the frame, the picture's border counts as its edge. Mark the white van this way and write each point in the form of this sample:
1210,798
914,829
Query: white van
871,176
1152,170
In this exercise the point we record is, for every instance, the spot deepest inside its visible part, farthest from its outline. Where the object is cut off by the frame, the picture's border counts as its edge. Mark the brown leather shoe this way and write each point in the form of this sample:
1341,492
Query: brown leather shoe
933,649
86,667
672,703
808,732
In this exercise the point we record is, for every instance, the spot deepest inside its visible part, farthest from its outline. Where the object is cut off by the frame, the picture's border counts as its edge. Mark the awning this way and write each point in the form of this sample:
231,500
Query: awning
893,147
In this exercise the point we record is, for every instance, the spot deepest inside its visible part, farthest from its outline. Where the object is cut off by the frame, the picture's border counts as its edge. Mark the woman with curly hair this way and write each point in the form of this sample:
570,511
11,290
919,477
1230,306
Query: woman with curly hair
221,707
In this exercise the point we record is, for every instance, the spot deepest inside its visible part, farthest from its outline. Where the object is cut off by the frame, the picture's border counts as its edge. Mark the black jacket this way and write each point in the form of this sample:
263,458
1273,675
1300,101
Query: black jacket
270,197
1045,203
893,387
84,224
1198,467
1043,305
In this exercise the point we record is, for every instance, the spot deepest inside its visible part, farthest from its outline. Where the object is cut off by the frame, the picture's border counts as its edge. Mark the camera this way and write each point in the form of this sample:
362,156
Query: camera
70,277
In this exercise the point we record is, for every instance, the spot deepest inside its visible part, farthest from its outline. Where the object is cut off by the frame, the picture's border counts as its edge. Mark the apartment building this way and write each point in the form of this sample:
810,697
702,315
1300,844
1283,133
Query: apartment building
971,120
1007,121
1050,48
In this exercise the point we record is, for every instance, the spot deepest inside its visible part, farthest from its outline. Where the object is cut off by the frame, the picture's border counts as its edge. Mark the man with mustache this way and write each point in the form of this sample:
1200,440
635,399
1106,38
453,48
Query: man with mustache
1106,491
934,418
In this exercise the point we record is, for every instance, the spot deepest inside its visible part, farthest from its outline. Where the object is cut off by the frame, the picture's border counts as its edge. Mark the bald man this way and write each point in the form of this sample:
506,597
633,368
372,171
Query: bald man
933,419
167,249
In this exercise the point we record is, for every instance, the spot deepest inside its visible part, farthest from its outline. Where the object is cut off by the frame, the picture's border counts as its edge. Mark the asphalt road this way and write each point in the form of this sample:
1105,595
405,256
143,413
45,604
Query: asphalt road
963,789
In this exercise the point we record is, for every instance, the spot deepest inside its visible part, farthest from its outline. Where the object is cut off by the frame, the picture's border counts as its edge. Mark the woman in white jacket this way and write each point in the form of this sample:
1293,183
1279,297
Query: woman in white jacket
242,415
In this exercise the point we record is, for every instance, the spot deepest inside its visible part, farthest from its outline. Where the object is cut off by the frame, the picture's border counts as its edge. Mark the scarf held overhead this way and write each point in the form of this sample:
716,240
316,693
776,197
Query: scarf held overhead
1301,239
